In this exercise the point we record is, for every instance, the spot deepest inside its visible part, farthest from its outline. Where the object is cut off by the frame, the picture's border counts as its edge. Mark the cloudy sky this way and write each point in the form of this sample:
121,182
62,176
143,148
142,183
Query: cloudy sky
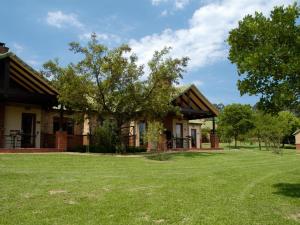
41,30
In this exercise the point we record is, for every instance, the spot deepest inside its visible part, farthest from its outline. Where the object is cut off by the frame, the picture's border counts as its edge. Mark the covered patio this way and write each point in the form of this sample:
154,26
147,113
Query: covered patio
182,132
25,97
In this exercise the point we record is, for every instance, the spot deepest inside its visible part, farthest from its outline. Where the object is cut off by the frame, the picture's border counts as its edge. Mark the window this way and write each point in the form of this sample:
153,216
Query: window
142,130
179,130
179,135
67,125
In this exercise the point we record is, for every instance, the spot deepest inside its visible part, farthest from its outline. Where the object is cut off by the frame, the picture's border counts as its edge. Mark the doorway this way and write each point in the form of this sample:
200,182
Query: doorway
194,138
28,130
179,135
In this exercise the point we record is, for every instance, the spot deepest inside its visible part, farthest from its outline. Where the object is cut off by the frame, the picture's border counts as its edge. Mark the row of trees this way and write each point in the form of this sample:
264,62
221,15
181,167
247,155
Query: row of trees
265,50
239,122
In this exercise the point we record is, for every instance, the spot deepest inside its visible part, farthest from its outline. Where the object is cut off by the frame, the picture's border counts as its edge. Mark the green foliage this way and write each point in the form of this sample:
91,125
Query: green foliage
105,138
109,82
290,123
235,121
130,149
118,88
74,91
266,53
205,132
153,134
273,129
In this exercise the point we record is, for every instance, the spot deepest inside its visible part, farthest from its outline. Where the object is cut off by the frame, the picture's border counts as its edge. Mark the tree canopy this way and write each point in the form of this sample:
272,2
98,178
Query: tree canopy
117,86
266,51
235,120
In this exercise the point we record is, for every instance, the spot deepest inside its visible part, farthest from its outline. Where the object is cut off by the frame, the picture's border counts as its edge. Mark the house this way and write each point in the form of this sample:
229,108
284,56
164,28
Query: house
31,119
28,117
184,131
297,139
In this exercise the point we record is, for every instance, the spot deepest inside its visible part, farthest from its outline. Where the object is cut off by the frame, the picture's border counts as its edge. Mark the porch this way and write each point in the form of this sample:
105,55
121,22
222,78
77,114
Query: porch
182,132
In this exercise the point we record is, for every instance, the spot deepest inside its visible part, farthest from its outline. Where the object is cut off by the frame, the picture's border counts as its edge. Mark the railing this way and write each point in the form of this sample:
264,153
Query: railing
12,141
17,140
174,143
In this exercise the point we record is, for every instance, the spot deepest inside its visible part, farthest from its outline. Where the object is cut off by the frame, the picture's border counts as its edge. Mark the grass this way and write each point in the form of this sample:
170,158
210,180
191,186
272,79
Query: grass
232,187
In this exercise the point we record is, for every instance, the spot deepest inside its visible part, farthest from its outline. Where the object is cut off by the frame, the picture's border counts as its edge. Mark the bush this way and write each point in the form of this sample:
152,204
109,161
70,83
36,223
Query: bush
160,157
101,149
130,149
105,138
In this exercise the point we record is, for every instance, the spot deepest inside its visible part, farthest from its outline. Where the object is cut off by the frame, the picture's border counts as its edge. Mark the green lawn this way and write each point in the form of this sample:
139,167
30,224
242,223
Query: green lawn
233,187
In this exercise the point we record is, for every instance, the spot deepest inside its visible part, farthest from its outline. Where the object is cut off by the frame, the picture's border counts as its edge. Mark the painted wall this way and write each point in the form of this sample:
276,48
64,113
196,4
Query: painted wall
198,133
47,122
297,138
13,120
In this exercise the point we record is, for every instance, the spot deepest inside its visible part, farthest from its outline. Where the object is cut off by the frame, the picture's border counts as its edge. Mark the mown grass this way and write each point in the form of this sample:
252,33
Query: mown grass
232,187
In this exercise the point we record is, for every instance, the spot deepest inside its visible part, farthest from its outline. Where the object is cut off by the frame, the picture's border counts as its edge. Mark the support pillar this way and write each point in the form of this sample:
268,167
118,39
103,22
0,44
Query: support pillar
214,140
2,118
61,140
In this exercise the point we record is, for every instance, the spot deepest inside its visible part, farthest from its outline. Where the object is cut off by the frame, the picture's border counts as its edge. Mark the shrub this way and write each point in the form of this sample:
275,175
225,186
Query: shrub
105,138
130,149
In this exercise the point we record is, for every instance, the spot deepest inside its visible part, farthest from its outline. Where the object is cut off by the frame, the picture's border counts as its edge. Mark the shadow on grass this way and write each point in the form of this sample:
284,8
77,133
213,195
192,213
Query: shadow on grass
170,155
287,189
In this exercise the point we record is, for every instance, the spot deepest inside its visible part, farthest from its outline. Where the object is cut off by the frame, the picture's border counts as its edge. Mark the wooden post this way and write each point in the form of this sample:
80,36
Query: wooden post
214,140
6,76
214,125
61,140
2,118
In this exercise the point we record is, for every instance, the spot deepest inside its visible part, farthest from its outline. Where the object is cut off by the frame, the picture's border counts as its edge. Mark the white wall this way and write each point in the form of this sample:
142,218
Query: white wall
13,119
198,133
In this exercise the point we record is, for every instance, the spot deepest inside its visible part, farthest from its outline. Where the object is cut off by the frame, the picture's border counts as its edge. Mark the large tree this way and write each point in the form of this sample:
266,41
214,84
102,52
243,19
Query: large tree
266,51
234,121
74,91
120,90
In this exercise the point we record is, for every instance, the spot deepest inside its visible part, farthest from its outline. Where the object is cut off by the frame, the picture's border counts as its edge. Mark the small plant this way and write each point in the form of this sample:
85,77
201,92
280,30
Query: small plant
160,157
153,134
105,138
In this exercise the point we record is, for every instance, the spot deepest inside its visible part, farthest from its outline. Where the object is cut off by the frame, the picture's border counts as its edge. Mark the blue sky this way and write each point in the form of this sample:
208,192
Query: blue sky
41,30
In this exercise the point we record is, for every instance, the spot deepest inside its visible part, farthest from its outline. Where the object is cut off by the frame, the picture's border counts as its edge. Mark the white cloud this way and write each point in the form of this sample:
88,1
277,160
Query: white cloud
158,2
164,13
178,4
203,41
18,48
197,82
33,62
101,37
59,19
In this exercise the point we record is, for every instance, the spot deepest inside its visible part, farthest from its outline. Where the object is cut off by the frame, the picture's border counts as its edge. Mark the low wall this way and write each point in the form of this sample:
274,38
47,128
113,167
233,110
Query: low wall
30,150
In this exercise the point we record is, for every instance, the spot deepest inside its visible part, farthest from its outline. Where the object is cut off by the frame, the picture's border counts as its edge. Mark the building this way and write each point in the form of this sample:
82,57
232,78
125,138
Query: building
184,131
30,117
297,139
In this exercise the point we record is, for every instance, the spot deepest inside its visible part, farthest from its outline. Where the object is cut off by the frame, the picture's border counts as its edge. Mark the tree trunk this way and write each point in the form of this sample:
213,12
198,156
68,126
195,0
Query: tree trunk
120,145
235,142
259,143
61,117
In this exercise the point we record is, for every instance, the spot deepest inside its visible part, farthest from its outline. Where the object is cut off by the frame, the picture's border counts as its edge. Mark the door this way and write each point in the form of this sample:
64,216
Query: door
142,130
28,130
194,138
179,135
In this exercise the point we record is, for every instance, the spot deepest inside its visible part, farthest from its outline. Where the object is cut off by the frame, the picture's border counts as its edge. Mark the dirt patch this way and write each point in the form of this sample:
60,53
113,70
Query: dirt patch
295,216
71,202
55,192
159,221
